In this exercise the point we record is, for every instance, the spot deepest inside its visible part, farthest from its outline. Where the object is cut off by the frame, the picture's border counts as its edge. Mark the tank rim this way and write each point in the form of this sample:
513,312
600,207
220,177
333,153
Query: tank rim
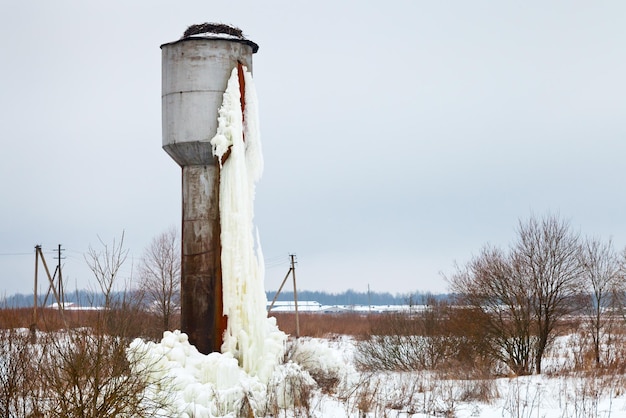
253,45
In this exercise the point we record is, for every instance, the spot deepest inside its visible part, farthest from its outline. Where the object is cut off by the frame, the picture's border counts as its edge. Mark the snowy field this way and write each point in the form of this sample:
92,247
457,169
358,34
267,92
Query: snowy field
319,379
316,377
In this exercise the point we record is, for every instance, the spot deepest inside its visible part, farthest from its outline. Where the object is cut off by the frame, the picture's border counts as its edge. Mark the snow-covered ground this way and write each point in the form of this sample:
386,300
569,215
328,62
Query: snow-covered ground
316,307
318,378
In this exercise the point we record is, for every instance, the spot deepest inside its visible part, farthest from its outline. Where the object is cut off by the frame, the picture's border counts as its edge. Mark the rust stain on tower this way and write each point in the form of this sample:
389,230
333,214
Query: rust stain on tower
196,69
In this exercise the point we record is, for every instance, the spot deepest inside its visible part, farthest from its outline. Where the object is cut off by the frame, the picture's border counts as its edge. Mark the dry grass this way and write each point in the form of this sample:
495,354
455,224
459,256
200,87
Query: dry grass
147,325
137,323
358,325
324,325
459,332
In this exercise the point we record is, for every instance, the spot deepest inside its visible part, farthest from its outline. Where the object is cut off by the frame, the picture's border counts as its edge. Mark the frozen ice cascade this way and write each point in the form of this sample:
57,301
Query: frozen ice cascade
214,385
250,337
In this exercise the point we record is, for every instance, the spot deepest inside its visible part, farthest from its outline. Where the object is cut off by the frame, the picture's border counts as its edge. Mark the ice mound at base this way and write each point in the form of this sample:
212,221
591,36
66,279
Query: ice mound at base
196,385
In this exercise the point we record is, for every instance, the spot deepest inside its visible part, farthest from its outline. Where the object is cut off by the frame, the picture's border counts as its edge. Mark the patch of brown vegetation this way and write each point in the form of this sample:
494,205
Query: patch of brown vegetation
139,324
321,325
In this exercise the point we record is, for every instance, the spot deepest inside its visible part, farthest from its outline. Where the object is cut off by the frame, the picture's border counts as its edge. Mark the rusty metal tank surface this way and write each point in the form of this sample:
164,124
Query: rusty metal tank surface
195,75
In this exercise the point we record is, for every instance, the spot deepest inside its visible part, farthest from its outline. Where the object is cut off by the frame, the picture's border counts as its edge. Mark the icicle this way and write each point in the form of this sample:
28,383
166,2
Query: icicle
251,337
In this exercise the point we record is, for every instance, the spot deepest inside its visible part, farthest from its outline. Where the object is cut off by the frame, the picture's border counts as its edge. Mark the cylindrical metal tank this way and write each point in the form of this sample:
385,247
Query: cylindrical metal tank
195,75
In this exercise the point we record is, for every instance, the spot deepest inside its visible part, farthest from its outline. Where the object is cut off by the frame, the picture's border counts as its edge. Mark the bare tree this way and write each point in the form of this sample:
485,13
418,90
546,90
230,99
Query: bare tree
87,371
492,286
525,292
105,264
159,275
547,257
600,266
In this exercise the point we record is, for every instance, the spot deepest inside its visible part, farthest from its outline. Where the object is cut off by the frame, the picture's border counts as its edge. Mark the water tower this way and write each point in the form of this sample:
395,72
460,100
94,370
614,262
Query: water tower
195,72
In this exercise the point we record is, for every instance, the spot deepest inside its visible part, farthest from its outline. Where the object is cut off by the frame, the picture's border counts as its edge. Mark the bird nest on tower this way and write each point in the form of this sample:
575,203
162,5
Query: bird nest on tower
216,28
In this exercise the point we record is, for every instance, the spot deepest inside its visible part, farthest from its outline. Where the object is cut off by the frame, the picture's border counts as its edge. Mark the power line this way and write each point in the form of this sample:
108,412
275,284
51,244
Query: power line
23,253
275,258
273,262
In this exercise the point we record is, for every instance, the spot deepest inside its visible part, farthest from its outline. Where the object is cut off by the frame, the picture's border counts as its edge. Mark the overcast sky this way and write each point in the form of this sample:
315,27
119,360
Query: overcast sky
399,137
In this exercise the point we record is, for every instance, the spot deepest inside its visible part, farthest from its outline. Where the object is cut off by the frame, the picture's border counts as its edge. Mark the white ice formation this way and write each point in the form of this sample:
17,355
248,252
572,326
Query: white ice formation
216,384
251,337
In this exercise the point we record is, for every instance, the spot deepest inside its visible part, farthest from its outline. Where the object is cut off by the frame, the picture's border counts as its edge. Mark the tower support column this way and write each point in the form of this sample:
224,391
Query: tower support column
202,316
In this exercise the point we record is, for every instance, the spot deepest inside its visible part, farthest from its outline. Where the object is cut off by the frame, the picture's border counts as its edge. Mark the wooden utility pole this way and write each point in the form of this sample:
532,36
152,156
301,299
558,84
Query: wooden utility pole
295,292
292,271
60,280
51,285
33,326
369,299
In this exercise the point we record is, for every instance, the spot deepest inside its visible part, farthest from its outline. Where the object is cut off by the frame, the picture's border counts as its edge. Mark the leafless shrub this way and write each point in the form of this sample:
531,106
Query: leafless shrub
320,362
245,410
291,388
580,395
581,353
522,400
615,359
478,390
365,396
425,340
602,281
583,401
574,354
19,391
87,372
89,375
407,395
410,393
390,353
443,399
